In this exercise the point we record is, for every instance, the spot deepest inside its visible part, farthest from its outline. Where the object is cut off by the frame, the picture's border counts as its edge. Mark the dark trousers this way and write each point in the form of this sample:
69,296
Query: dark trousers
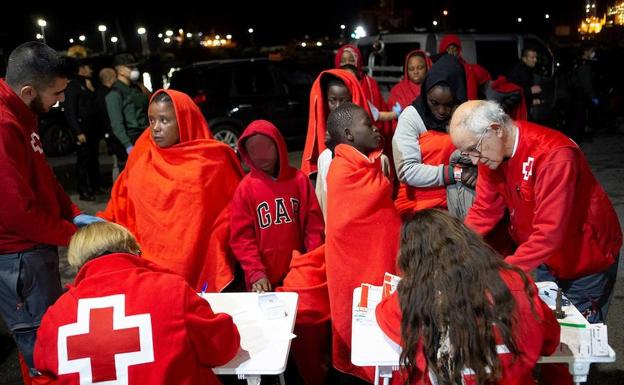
88,166
29,283
590,294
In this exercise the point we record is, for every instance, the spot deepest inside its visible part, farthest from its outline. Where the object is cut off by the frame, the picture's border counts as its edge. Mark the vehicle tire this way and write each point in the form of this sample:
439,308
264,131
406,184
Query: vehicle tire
57,140
227,134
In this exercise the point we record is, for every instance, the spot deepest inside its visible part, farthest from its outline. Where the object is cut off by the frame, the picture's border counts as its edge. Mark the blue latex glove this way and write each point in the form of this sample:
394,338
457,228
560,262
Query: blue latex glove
129,148
397,109
596,101
82,220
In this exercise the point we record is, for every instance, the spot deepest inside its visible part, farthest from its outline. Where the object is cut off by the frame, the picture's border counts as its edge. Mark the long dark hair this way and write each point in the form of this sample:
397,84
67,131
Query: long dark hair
451,295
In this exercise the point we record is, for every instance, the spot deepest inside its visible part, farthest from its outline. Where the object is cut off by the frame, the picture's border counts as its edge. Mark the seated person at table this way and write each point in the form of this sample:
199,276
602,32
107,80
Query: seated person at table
362,224
461,314
274,209
175,191
128,320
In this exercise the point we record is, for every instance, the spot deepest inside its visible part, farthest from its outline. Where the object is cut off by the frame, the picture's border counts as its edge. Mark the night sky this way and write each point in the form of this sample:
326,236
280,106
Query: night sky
274,22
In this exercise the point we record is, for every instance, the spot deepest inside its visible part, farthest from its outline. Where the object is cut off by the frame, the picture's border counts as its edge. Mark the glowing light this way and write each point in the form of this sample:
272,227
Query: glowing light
169,33
250,30
435,23
102,28
189,35
445,12
82,38
304,44
114,39
228,36
342,26
319,44
359,32
141,31
546,16
42,23
71,41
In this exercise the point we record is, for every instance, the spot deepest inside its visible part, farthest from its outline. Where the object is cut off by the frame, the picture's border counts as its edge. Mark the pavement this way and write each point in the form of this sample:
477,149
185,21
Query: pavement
605,155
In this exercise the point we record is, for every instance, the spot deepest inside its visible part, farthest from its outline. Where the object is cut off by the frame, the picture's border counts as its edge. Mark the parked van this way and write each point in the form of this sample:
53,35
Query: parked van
384,57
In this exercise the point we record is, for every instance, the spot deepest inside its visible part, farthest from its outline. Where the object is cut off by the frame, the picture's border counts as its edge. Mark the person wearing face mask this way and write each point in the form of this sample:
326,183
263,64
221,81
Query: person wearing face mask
36,216
126,103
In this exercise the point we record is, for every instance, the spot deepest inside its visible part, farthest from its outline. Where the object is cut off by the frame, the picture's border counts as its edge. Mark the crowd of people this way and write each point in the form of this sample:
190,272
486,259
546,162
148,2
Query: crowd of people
460,196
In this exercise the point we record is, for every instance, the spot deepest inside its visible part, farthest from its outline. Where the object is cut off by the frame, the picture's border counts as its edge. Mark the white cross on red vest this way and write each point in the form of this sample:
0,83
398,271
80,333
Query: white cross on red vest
104,342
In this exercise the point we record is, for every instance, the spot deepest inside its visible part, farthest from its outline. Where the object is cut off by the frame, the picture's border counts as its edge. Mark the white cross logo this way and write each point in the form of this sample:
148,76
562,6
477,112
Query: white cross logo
527,168
103,343
35,142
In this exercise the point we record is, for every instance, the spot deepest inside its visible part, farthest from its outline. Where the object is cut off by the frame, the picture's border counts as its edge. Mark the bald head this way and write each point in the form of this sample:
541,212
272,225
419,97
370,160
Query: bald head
483,130
107,76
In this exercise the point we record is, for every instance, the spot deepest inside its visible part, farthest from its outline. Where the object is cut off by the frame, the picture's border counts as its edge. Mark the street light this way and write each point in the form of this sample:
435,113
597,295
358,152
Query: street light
42,23
342,26
228,36
435,23
71,41
445,12
169,33
102,29
546,16
250,30
143,36
82,38
39,36
519,20
114,41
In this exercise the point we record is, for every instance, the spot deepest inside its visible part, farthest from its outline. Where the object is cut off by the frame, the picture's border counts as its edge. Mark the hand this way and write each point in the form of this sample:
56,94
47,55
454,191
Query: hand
536,89
397,109
261,285
469,175
82,220
129,148
81,138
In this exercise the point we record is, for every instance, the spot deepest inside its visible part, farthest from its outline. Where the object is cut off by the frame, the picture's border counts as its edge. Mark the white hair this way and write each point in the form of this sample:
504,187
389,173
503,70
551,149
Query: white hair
484,114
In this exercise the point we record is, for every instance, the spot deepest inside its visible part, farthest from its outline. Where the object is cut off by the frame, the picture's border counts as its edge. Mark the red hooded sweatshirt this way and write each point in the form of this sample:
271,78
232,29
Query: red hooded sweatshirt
35,208
128,319
475,74
317,119
176,200
271,217
406,91
369,85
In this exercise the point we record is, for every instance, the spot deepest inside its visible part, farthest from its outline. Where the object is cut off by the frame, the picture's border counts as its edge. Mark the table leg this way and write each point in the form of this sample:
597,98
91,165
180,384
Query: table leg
385,372
253,380
281,379
376,375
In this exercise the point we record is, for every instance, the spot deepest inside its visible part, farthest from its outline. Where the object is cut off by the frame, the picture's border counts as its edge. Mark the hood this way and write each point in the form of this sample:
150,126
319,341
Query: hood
191,121
266,128
418,52
446,70
449,40
359,62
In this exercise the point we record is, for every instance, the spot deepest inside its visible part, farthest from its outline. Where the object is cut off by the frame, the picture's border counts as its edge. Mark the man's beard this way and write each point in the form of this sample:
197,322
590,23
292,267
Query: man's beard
36,106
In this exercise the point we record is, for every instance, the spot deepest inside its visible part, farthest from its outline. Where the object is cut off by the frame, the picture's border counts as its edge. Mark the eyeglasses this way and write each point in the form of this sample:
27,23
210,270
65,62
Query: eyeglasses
476,150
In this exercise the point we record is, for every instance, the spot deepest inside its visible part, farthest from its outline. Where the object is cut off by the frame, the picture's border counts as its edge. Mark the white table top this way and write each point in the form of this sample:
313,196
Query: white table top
371,347
265,343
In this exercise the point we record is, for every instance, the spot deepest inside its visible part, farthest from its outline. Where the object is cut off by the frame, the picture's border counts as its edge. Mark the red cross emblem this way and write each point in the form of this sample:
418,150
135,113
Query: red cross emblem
527,168
35,143
104,342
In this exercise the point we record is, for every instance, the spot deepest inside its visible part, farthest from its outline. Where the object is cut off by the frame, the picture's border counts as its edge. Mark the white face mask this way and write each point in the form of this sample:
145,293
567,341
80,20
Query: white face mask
135,75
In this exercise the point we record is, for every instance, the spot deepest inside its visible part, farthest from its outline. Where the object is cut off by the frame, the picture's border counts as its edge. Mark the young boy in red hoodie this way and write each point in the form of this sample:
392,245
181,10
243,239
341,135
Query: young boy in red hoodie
274,209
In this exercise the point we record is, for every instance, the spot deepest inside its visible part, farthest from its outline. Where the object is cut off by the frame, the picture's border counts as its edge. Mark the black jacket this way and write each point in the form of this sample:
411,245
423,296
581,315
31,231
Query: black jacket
79,108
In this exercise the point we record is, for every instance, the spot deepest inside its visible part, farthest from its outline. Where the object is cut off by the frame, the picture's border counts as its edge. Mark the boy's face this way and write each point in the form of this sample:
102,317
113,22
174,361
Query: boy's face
336,95
262,153
362,134
416,69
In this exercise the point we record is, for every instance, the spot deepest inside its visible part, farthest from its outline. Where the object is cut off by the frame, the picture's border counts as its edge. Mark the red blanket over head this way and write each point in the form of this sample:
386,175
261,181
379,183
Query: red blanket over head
362,240
175,200
317,119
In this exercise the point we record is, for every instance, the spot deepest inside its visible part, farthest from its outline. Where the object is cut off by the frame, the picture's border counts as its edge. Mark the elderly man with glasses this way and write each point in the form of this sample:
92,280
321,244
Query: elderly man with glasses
561,219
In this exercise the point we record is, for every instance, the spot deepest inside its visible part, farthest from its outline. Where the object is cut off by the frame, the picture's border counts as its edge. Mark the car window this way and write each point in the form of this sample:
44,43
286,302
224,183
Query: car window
498,57
184,80
253,79
394,53
215,82
293,80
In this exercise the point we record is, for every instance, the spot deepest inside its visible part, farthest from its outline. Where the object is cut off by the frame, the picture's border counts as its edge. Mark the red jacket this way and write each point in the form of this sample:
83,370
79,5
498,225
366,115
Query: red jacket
559,214
272,217
535,334
124,304
34,207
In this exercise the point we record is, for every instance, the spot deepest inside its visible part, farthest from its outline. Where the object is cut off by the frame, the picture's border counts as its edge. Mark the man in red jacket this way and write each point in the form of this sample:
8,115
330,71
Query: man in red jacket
35,213
560,217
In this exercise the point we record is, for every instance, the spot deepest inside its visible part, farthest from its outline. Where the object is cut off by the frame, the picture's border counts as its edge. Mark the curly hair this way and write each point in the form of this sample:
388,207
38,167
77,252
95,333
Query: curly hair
451,296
